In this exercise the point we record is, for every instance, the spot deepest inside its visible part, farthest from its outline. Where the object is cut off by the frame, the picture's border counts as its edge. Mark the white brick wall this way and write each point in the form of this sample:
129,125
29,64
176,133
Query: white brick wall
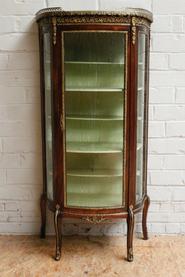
166,176
20,139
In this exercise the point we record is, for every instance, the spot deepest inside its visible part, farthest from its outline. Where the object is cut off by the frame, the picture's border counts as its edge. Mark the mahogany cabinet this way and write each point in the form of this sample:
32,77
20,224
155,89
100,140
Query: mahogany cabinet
94,72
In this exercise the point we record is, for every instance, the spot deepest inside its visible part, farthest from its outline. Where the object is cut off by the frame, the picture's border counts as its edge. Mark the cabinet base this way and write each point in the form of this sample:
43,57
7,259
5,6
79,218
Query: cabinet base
97,219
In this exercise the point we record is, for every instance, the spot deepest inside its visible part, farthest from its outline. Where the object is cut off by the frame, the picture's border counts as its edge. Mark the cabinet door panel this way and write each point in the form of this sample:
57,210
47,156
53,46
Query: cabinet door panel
48,114
141,96
94,92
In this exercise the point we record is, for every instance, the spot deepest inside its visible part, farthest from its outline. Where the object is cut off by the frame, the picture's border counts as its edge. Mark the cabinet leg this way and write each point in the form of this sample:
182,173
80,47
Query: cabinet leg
57,224
144,217
43,216
130,230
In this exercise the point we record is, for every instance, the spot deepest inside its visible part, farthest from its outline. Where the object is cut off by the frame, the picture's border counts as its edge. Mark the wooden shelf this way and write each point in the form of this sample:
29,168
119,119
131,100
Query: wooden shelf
87,117
95,173
93,199
93,63
88,147
94,90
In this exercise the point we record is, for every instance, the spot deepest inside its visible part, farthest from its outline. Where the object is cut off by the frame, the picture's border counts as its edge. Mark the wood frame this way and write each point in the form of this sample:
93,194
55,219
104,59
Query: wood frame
132,21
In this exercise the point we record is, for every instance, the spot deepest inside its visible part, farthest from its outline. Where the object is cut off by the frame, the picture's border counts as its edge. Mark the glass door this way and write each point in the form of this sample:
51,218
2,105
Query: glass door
48,114
94,93
140,114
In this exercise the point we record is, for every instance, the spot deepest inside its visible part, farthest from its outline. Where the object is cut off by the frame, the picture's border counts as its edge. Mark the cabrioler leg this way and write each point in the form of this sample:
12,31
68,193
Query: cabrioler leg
57,224
144,217
130,230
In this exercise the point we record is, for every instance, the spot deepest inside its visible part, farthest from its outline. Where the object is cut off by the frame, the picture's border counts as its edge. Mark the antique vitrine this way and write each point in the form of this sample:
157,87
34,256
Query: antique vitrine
94,101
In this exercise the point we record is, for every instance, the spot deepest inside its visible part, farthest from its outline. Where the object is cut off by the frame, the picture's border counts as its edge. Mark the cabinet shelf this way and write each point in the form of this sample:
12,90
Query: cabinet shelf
93,63
91,147
101,118
93,199
96,63
94,90
95,173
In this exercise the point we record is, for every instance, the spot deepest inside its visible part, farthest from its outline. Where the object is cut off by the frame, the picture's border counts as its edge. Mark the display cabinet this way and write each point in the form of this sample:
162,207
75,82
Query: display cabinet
94,101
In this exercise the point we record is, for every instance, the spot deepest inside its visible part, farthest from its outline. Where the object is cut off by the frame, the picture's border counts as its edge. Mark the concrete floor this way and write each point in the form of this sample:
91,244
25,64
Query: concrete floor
29,256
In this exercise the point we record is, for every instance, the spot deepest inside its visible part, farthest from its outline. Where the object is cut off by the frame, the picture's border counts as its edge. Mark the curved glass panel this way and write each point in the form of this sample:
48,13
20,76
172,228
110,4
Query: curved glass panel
140,114
94,65
48,115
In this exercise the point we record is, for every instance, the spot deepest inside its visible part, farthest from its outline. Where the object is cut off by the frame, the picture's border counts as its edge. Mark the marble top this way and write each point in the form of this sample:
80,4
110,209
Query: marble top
58,11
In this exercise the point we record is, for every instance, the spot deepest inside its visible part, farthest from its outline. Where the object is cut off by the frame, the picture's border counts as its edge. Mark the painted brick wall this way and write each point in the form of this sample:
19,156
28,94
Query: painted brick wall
20,134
